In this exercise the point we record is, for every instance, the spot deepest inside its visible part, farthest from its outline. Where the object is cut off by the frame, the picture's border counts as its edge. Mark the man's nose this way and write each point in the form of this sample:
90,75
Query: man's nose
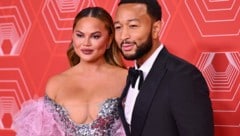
125,34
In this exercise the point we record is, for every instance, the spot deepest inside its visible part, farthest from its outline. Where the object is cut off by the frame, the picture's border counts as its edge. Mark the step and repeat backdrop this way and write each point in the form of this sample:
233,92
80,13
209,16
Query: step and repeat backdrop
35,34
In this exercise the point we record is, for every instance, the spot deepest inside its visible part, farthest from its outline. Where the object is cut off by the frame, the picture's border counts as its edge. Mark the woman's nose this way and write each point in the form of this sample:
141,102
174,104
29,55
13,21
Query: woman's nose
86,42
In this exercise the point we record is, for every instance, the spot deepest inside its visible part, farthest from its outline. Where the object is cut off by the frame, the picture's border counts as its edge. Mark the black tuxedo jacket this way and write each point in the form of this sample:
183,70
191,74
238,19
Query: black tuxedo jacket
173,101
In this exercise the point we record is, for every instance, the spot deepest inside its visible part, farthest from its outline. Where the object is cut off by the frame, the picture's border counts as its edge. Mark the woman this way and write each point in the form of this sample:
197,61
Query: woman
83,99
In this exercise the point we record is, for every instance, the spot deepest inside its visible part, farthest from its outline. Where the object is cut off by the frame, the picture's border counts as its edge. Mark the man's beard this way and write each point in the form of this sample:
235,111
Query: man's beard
142,49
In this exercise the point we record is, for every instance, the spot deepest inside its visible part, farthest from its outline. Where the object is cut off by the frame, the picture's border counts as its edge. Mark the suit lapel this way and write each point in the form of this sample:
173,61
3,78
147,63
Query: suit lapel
147,92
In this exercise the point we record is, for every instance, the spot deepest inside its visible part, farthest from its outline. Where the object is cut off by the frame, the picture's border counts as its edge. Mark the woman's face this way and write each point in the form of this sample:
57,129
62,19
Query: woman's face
90,39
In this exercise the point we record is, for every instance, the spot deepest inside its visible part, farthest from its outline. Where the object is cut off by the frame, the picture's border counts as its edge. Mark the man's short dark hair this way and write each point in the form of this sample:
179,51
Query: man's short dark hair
153,7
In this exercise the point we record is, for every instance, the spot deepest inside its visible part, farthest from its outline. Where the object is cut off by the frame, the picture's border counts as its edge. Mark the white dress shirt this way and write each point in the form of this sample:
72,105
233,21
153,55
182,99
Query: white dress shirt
133,91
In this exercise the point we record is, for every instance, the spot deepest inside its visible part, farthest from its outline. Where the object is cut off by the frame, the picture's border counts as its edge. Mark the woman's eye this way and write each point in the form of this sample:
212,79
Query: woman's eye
79,35
96,36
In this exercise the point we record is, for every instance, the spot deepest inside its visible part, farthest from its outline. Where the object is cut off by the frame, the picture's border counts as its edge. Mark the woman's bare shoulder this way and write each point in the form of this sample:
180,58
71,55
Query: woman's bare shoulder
118,80
121,71
55,83
119,75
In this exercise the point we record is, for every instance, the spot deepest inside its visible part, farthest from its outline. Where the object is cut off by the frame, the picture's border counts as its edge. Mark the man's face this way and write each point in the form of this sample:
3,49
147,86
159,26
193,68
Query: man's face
133,30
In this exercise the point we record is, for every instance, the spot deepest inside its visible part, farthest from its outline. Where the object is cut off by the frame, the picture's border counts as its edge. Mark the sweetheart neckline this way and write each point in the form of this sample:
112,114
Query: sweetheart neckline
66,112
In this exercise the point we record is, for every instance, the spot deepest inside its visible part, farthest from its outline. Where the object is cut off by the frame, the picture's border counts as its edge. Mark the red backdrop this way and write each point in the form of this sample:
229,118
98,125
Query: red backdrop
34,36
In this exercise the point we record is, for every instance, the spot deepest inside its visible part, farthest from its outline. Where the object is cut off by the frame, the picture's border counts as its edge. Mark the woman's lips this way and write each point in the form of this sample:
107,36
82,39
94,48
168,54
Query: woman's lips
87,51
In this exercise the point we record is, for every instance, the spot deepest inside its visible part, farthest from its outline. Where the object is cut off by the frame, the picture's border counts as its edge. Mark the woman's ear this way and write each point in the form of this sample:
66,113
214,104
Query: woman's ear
156,29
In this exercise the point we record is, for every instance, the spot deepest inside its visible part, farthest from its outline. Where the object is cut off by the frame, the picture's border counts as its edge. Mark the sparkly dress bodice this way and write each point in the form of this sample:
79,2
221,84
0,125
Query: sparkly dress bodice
104,125
44,117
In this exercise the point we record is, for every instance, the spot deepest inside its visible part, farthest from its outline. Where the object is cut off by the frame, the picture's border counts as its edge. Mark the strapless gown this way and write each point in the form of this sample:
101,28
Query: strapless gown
44,117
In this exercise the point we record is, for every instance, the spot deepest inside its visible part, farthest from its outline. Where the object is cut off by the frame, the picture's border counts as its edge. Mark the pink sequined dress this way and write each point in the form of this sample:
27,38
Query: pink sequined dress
44,117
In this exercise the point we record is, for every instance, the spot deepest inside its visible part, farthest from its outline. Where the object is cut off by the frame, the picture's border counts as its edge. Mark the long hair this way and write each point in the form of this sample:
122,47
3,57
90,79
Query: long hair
112,54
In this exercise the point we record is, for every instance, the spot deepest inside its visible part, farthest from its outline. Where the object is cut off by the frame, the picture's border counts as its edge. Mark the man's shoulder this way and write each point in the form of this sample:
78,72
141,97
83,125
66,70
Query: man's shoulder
177,63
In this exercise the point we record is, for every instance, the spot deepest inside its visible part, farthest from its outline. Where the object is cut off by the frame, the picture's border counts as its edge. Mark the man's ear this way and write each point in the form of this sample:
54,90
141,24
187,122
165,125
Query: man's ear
156,29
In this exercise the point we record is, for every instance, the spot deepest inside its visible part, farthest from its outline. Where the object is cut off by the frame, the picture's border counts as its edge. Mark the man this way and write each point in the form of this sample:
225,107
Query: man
173,99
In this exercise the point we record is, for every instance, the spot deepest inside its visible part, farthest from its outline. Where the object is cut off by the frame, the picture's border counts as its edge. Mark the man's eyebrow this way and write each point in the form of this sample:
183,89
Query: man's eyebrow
130,20
116,22
134,19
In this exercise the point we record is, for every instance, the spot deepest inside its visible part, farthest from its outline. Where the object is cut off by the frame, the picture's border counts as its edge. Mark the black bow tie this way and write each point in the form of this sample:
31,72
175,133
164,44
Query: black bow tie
133,74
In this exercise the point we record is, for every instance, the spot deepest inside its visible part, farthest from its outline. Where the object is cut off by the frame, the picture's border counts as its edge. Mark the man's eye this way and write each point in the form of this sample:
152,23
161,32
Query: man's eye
133,26
117,27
